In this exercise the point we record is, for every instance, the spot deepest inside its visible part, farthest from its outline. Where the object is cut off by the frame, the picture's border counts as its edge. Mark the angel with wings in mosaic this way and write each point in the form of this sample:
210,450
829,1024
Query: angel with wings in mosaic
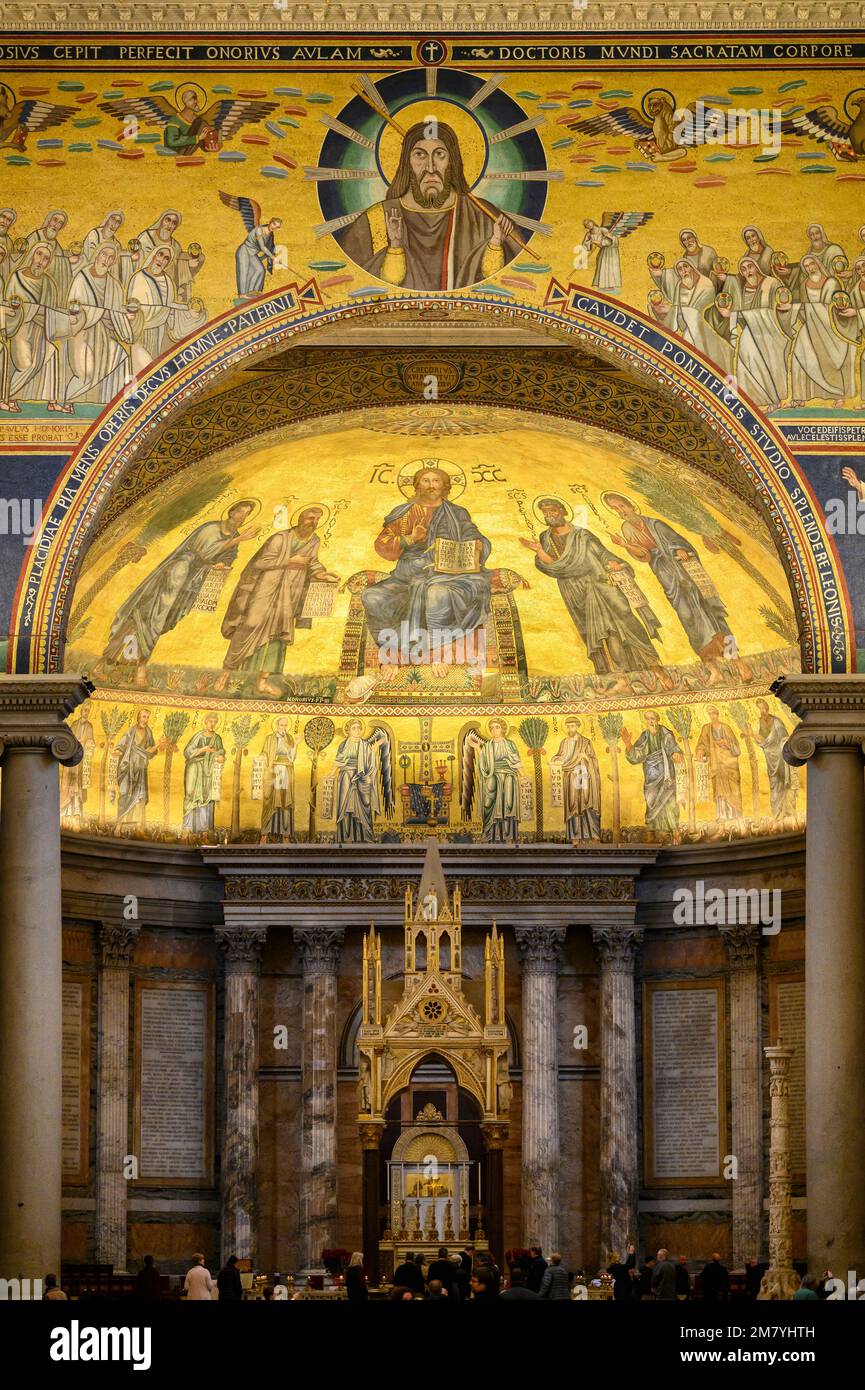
189,128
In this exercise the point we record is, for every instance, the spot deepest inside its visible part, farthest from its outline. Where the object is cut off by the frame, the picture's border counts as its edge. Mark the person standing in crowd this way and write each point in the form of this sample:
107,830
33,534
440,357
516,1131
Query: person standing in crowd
466,1260
228,1281
644,1279
754,1272
409,1275
536,1270
807,1289
483,1284
715,1280
198,1284
148,1282
442,1269
462,1288
623,1281
664,1278
436,1290
518,1288
52,1290
355,1279
555,1282
683,1278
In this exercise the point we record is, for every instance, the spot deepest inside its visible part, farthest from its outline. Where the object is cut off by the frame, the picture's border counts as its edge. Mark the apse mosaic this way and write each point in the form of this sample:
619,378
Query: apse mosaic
523,630
726,204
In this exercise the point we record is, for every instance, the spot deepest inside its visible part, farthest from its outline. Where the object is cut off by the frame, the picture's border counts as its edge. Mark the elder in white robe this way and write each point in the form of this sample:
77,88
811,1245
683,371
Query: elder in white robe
60,269
183,267
36,372
764,337
823,360
757,249
99,351
159,320
851,322
105,234
694,315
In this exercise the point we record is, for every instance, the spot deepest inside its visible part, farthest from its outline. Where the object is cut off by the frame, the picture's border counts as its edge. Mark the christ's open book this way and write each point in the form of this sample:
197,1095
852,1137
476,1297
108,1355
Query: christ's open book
457,557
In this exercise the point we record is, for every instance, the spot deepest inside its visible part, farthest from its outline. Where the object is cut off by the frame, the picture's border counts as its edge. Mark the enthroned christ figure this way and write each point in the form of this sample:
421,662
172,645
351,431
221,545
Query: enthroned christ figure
430,233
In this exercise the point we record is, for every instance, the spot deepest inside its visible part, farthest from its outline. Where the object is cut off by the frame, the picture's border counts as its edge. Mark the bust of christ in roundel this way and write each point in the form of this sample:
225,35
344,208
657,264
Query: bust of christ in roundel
430,232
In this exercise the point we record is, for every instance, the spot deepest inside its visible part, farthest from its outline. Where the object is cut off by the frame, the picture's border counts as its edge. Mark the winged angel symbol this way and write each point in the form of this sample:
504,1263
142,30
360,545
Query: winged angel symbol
655,130
18,119
189,127
845,135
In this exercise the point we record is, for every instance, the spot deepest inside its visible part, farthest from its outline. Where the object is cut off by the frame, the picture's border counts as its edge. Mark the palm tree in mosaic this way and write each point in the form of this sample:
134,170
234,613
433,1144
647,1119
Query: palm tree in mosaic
112,722
739,717
681,721
534,735
243,731
611,728
172,729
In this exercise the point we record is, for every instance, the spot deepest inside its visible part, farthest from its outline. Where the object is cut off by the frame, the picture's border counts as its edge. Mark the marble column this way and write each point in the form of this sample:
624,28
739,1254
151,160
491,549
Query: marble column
830,741
319,950
780,1272
370,1142
746,1140
33,740
242,947
116,946
620,1180
540,951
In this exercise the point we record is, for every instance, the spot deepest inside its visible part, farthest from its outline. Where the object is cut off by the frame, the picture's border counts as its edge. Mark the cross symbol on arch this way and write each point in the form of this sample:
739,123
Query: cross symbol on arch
431,51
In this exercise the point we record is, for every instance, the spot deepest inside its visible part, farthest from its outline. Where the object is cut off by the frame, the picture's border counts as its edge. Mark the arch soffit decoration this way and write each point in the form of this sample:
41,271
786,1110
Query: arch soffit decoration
755,446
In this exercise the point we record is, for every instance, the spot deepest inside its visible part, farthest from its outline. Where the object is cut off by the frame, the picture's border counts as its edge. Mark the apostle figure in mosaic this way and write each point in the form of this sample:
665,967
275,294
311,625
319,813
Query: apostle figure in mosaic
719,748
771,734
677,566
134,752
74,780
658,752
364,785
265,608
615,639
203,756
277,807
581,783
169,592
494,763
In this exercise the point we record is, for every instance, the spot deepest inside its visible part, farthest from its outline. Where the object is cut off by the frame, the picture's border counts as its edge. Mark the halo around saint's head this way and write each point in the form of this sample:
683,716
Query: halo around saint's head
551,497
503,723
253,502
188,87
312,506
612,492
408,472
346,728
432,112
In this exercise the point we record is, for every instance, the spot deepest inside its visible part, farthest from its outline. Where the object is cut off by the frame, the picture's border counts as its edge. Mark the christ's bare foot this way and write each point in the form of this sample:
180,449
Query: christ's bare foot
439,669
264,687
388,672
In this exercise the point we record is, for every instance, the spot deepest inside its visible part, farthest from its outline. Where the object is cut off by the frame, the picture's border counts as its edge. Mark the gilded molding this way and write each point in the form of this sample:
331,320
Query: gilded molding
389,888
295,16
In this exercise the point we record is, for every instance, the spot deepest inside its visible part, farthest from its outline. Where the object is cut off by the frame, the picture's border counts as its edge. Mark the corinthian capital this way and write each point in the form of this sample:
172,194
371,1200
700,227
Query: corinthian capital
540,949
617,947
242,945
32,711
743,946
117,943
832,714
319,948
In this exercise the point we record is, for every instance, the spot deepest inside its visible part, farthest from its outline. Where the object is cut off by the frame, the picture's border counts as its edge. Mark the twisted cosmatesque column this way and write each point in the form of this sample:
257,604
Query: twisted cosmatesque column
33,740
242,947
743,949
618,947
319,951
116,947
830,741
540,950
